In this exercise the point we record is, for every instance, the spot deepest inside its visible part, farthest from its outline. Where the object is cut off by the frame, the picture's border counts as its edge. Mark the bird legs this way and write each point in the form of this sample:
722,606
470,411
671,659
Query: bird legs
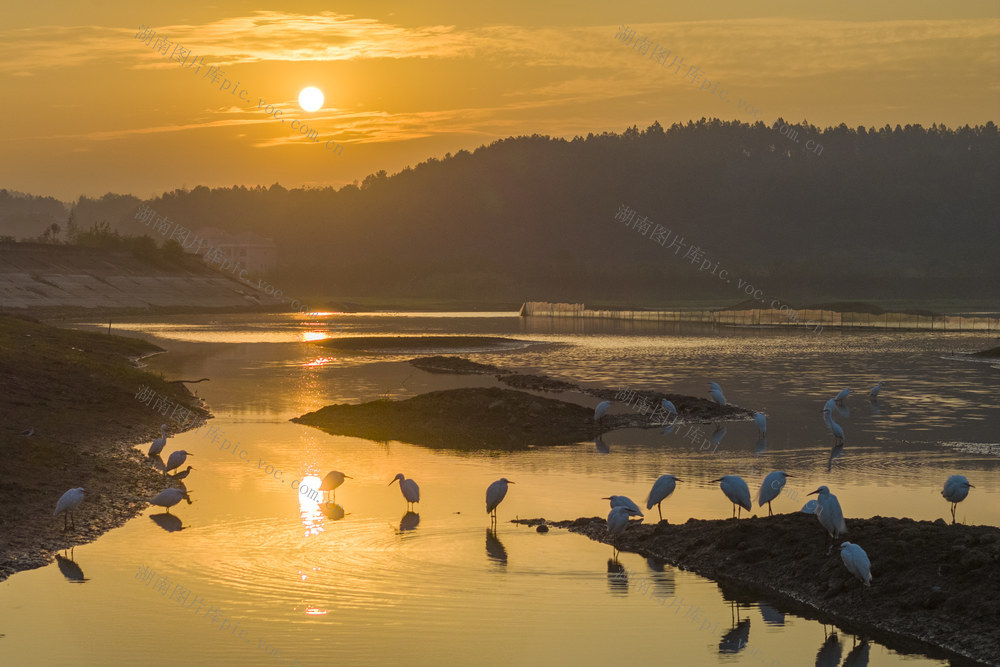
659,510
953,506
769,512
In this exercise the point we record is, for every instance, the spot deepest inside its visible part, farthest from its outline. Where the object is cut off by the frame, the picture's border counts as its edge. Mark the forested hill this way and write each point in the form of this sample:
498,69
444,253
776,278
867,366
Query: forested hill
896,212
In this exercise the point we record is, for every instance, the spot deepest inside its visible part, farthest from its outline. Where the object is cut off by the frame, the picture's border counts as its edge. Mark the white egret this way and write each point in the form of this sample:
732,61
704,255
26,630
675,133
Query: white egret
856,561
770,488
737,491
68,502
873,392
956,488
837,430
333,479
809,507
618,522
160,442
409,489
829,513
717,395
828,411
662,488
169,497
495,494
601,408
623,501
176,460
843,394
715,385
761,421
668,406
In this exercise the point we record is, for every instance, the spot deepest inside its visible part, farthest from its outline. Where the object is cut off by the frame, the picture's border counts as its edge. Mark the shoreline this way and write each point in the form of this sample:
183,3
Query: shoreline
935,587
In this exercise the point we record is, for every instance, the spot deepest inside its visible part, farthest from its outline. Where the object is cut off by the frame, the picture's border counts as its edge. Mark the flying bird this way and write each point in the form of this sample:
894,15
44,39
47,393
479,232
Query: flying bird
409,489
956,488
333,479
176,460
770,488
662,488
169,497
67,503
623,501
495,494
856,561
601,408
160,442
737,491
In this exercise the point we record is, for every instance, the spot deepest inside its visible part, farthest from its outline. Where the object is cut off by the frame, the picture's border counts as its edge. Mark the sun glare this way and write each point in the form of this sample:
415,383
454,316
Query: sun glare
311,98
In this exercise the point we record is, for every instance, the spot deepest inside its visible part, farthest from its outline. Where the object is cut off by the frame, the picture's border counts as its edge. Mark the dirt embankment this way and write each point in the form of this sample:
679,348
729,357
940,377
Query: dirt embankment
77,392
935,587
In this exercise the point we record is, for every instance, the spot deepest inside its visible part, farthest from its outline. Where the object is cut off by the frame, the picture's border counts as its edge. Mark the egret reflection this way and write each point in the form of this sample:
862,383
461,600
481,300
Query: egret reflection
858,657
835,453
332,511
829,653
736,639
761,445
662,576
719,434
69,569
771,615
168,522
601,447
617,577
495,550
410,521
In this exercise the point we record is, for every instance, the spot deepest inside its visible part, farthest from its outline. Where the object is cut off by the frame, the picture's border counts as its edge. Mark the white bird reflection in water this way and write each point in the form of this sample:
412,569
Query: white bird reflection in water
168,522
662,576
410,521
309,510
332,511
69,569
829,653
617,577
601,447
735,640
858,657
761,445
771,615
495,550
719,434
835,453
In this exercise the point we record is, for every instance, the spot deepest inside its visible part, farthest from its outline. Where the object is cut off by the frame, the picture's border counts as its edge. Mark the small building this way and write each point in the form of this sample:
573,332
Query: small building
252,252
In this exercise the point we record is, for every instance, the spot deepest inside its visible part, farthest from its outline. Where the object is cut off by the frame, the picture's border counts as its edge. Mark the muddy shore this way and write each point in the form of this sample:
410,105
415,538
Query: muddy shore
935,587
75,392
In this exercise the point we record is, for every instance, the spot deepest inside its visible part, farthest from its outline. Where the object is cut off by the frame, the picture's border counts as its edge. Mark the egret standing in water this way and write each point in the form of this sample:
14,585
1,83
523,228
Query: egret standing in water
618,522
770,488
856,561
836,430
716,393
828,411
176,460
956,488
843,394
409,489
601,408
495,493
169,497
160,442
761,421
623,501
662,488
69,502
737,491
830,516
873,392
333,479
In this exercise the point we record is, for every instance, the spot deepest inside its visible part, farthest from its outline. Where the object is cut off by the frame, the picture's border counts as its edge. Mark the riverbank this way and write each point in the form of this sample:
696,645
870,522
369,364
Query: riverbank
72,419
935,587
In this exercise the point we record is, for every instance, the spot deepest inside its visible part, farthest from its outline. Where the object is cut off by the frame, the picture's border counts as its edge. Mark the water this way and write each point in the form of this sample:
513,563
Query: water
270,579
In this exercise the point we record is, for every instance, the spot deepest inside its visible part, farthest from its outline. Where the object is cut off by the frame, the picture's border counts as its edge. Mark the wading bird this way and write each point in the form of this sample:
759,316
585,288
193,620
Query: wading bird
333,479
737,491
770,488
873,392
761,421
856,561
495,494
668,406
182,475
601,408
956,488
717,395
662,488
160,442
830,516
623,501
836,430
809,507
618,522
67,503
176,460
409,489
828,411
843,394
169,497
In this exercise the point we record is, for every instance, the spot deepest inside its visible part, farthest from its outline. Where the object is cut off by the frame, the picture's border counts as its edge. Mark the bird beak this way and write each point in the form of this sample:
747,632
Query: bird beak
390,483
715,480
787,475
678,480
348,477
605,498
510,482
816,491
971,486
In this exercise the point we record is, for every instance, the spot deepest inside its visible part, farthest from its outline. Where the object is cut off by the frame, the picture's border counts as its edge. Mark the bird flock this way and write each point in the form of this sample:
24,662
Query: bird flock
826,507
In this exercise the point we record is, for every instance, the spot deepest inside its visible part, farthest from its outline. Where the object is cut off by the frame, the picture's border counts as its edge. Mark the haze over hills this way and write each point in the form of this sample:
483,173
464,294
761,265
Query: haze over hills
908,213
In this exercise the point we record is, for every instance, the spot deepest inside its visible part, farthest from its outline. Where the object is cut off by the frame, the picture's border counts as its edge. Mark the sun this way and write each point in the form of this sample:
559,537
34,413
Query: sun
311,98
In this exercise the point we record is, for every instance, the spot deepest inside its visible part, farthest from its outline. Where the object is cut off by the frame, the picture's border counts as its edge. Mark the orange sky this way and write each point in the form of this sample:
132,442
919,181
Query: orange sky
88,109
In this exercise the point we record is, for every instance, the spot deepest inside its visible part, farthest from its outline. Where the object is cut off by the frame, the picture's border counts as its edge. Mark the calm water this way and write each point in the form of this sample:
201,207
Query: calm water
272,578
